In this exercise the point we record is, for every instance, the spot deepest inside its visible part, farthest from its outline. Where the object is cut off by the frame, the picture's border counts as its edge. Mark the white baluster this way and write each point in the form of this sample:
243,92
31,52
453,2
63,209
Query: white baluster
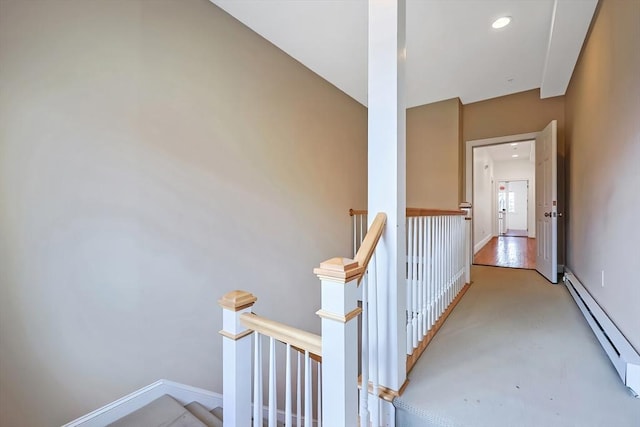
308,391
273,408
364,355
363,227
430,272
299,392
445,281
436,270
438,256
287,390
319,395
414,284
355,234
420,264
445,257
446,263
409,287
449,275
257,383
460,253
374,407
450,237
442,265
452,246
427,255
455,242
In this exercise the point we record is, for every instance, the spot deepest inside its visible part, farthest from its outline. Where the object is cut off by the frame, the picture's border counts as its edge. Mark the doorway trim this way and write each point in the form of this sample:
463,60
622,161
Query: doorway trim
471,144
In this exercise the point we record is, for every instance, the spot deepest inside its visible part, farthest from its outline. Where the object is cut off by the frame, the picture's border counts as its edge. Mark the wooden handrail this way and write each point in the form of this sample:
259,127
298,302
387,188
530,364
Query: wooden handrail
368,245
412,212
353,212
299,339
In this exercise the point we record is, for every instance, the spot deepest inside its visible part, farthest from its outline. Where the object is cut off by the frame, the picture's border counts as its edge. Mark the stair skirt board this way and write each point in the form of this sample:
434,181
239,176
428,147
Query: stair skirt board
623,356
112,412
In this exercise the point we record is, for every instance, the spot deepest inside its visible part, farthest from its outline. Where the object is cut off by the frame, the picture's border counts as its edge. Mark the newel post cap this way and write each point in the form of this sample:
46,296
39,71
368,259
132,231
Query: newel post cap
341,270
237,300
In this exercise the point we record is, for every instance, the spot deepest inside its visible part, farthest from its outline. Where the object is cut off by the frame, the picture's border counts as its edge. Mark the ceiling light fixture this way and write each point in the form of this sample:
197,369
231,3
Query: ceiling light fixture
514,155
513,144
501,22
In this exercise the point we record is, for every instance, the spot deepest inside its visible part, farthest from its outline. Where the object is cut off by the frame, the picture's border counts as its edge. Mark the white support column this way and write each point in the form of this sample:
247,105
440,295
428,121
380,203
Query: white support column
339,312
236,358
387,177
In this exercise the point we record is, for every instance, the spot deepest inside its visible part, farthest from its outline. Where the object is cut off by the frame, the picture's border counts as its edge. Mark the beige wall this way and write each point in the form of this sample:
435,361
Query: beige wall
603,146
432,155
154,155
512,114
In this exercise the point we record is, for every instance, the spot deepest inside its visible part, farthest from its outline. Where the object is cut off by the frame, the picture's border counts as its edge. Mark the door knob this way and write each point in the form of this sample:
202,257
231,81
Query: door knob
547,214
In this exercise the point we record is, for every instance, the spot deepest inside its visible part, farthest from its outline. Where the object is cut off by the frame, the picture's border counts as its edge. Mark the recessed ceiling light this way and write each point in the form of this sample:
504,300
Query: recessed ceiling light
501,22
514,155
513,144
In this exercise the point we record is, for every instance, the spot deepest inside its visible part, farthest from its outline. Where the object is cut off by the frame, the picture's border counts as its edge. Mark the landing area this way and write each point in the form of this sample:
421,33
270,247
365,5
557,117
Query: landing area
516,351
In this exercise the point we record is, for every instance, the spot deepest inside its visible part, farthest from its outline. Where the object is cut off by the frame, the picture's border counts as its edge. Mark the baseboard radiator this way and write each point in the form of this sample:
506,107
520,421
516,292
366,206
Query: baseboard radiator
624,357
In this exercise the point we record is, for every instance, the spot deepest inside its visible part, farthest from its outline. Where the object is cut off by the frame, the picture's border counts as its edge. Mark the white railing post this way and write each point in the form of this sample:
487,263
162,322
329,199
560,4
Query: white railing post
339,312
466,206
236,357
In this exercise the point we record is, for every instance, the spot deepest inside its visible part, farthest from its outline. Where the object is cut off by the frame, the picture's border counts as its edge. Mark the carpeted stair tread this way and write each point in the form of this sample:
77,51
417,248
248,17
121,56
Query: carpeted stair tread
203,414
218,413
165,411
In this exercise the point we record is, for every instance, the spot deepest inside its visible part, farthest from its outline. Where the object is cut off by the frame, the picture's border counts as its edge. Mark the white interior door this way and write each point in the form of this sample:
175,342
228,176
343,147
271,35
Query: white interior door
547,202
517,205
502,207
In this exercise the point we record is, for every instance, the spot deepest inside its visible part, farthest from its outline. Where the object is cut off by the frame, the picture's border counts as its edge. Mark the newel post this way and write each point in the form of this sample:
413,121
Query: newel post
236,358
339,312
466,206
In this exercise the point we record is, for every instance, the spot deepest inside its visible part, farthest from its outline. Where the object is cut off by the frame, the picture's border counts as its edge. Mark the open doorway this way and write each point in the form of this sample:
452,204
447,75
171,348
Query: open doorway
504,218
513,207
544,214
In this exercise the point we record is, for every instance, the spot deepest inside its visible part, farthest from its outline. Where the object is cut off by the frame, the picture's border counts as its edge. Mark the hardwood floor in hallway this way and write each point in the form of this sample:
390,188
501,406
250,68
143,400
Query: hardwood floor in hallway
516,233
508,251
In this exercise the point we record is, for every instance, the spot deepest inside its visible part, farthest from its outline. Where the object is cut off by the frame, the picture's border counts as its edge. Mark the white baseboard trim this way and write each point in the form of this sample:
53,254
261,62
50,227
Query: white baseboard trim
624,357
481,243
184,394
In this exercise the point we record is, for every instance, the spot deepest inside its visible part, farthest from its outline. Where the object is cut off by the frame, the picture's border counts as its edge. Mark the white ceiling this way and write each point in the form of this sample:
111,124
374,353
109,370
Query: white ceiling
505,152
452,51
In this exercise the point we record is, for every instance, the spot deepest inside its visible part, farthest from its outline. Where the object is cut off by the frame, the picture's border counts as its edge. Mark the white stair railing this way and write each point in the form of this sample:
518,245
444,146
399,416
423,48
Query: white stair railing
243,367
436,268
359,228
438,251
339,278
438,271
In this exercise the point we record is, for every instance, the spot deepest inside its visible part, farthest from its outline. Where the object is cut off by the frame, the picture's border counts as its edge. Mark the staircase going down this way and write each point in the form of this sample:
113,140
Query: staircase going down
165,411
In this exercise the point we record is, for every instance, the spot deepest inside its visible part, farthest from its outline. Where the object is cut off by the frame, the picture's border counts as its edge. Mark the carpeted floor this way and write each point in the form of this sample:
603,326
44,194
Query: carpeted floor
516,351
